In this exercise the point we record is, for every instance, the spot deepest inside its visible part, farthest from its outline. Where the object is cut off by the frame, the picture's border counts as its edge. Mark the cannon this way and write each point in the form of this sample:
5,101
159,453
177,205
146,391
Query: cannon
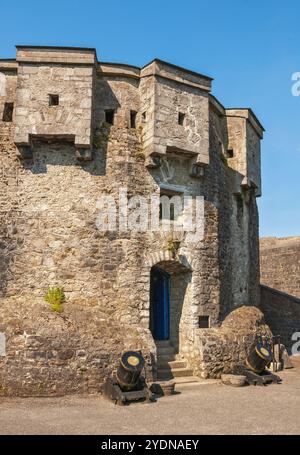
128,384
259,358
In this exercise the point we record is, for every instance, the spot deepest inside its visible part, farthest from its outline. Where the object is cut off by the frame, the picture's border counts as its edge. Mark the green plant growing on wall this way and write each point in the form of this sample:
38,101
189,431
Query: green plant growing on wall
173,246
55,297
97,142
139,153
224,159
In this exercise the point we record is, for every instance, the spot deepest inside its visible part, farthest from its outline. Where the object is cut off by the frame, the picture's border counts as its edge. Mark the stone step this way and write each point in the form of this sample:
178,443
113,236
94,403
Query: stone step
165,364
166,358
167,373
167,350
185,383
163,343
183,380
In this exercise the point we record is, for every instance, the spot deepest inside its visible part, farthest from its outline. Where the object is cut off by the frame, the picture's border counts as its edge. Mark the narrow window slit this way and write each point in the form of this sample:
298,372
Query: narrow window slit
109,116
133,119
8,112
181,118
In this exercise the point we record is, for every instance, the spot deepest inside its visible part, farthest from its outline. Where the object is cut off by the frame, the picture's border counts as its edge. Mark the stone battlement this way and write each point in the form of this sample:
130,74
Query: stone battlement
59,94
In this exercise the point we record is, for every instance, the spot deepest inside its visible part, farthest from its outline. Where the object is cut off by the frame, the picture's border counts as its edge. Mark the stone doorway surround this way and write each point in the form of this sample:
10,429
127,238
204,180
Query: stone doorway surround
180,271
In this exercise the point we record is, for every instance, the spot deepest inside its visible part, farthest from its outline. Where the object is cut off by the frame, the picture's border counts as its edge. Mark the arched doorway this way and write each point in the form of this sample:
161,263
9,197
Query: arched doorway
170,301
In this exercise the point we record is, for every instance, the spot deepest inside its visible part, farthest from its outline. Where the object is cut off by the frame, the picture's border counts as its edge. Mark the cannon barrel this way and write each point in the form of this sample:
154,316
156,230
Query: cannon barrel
259,357
129,370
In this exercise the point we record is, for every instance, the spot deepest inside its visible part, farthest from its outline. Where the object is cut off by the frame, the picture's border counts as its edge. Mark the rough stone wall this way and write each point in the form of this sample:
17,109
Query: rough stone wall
165,93
244,134
237,225
34,116
172,98
282,314
217,351
50,204
280,264
280,290
54,354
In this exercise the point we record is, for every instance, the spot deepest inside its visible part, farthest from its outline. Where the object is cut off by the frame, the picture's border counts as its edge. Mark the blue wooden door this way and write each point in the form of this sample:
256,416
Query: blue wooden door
160,304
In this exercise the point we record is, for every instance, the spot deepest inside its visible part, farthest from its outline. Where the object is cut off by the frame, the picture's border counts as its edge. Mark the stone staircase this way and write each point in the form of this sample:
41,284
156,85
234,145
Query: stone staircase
169,367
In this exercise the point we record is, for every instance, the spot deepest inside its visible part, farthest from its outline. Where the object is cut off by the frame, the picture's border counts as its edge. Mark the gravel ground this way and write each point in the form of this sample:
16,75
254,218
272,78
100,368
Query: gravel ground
204,409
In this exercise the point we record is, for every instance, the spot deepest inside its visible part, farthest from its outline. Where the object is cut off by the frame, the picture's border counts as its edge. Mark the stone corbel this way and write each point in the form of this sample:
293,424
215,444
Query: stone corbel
246,184
153,161
197,171
83,154
24,152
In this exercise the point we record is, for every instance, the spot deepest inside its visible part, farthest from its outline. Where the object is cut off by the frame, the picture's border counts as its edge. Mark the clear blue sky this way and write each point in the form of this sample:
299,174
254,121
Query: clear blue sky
251,48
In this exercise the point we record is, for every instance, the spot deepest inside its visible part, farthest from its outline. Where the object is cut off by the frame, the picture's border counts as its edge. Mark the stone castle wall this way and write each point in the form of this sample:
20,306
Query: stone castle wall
282,314
280,290
49,203
280,264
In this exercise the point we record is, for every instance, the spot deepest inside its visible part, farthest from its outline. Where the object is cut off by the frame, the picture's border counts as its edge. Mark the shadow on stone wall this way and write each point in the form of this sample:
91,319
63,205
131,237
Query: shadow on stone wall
282,314
8,246
56,152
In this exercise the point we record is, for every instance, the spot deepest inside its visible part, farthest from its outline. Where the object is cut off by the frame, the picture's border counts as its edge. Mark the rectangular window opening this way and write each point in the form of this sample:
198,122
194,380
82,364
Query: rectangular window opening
203,322
230,153
53,100
144,116
109,116
171,206
133,115
239,209
181,118
165,215
8,112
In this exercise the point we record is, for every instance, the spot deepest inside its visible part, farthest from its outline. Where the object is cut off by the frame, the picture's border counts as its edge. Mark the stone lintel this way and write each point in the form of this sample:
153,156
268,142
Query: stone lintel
172,188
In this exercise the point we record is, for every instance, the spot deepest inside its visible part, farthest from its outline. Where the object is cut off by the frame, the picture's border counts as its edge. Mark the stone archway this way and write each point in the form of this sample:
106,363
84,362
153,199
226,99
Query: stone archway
178,308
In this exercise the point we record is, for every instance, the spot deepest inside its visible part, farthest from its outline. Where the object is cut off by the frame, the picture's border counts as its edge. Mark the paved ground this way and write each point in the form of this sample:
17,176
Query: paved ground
207,409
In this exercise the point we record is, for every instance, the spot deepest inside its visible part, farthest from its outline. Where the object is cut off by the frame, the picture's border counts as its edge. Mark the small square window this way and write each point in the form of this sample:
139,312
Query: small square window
53,100
203,322
8,112
109,116
181,118
133,119
230,153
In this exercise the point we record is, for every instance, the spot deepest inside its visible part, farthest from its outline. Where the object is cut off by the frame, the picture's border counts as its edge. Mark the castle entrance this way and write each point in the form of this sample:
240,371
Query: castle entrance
170,295
160,304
